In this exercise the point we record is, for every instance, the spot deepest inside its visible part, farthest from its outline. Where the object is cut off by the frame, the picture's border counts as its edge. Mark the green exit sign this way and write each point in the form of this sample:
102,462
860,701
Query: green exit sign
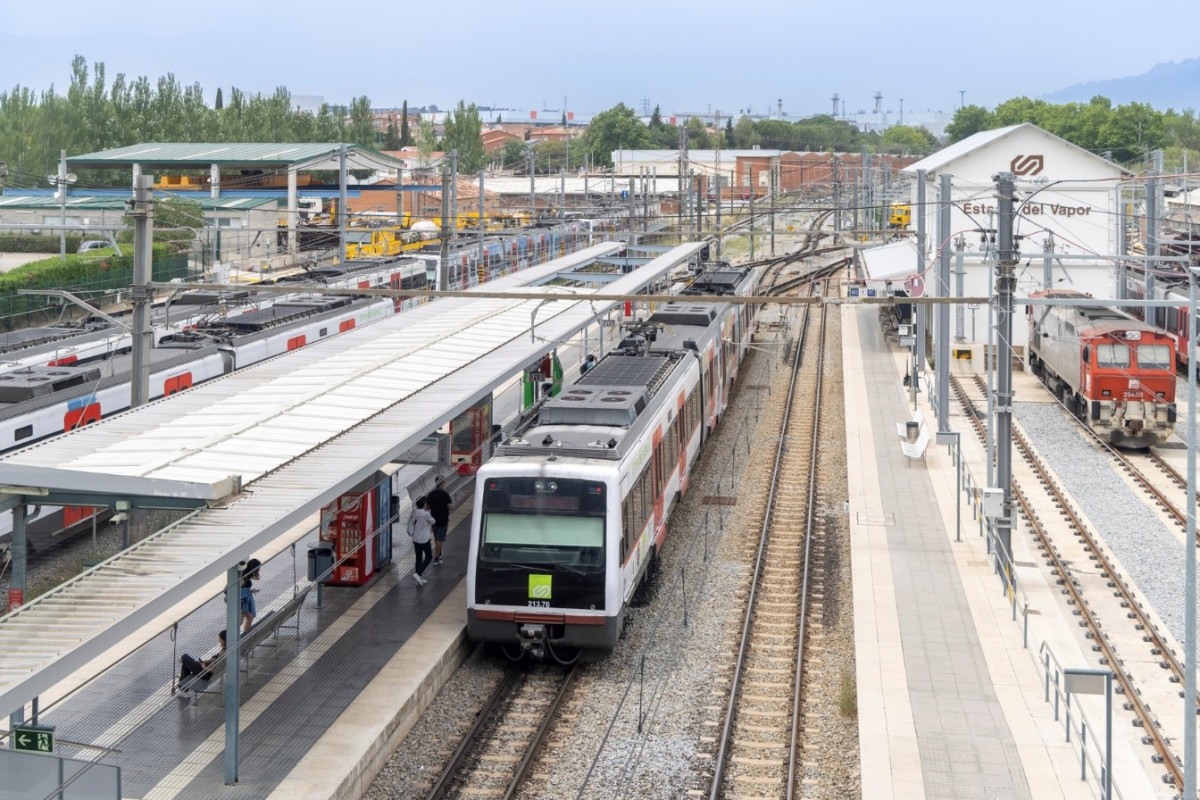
35,740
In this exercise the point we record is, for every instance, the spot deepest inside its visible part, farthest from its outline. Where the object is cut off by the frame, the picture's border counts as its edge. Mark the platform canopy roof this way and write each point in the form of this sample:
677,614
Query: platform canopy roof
302,156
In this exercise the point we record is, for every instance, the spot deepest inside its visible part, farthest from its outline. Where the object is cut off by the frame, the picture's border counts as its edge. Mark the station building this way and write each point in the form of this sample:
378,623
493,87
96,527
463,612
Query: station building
1067,221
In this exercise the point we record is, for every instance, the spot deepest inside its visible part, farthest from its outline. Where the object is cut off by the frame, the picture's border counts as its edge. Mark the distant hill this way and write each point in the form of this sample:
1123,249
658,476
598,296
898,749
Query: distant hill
1171,85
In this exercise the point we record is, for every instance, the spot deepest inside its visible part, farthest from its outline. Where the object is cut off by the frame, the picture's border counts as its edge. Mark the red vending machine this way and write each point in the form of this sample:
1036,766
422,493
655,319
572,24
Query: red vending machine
358,527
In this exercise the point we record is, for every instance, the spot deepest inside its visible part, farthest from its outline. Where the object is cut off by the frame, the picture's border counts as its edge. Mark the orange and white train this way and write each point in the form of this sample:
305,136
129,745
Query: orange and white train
1113,372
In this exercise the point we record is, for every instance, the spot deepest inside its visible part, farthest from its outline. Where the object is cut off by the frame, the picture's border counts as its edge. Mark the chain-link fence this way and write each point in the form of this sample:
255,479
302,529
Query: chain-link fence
104,287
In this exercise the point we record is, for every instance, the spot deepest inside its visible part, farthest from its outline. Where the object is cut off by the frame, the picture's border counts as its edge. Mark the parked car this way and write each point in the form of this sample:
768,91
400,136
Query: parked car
91,245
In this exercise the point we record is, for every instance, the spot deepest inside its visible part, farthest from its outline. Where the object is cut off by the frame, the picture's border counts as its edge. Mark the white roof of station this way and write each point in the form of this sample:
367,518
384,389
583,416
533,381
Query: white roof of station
301,429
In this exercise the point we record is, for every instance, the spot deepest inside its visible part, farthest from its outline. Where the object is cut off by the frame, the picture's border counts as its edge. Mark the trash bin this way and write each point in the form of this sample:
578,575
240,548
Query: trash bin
320,562
912,430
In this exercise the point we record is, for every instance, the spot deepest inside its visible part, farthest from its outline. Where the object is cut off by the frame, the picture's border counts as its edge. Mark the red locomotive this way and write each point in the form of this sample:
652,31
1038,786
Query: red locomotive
1116,374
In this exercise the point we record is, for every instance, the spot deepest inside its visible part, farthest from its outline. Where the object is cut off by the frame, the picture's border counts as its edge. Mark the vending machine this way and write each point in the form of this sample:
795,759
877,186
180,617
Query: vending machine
358,527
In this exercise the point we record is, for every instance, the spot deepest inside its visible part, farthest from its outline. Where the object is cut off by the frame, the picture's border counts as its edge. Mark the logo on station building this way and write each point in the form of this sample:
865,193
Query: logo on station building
1027,165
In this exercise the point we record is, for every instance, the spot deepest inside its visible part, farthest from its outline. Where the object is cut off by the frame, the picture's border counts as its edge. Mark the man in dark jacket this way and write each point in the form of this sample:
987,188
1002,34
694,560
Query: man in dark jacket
438,502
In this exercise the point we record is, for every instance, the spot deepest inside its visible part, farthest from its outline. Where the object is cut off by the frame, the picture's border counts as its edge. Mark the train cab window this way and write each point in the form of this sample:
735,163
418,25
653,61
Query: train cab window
324,332
1112,356
1154,356
23,433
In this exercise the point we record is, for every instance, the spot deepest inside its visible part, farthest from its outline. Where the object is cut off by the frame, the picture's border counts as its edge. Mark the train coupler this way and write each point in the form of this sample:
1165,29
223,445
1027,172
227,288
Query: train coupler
533,639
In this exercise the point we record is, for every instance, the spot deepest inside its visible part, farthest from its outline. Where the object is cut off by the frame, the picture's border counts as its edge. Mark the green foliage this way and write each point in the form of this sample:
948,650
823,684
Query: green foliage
426,141
697,135
618,128
1126,131
848,696
97,113
908,140
176,221
462,130
968,121
29,243
406,139
512,155
744,135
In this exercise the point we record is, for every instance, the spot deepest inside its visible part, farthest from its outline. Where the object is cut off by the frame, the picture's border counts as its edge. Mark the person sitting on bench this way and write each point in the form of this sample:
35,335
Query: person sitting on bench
193,670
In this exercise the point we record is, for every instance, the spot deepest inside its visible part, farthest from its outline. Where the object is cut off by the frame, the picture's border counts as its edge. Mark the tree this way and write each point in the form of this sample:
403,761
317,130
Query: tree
617,128
391,140
362,122
426,141
906,139
406,139
463,128
662,136
745,135
177,220
219,103
697,135
512,155
968,121
564,119
728,132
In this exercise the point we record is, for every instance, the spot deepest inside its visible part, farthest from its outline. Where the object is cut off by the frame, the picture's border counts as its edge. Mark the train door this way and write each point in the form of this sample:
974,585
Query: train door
471,437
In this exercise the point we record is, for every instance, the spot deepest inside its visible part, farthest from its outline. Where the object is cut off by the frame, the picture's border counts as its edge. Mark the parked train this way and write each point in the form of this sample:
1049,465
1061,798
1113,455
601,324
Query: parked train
1115,373
572,509
42,401
1172,319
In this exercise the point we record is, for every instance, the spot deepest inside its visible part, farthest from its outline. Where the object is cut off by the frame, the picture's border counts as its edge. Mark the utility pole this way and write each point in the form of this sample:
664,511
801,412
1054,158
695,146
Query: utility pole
943,309
60,181
1152,238
532,202
837,191
143,334
960,245
683,194
1006,283
454,193
699,191
481,225
443,275
774,174
1048,262
920,310
751,172
342,210
717,141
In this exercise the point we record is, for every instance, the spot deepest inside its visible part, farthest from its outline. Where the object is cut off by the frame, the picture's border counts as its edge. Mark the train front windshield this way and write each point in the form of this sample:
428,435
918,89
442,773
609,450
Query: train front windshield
1154,356
543,521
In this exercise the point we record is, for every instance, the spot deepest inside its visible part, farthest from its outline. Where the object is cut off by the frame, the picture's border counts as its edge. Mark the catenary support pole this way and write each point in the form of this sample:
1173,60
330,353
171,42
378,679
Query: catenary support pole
943,309
343,211
1151,241
1005,287
921,312
143,333
482,226
233,672
443,274
1189,636
960,244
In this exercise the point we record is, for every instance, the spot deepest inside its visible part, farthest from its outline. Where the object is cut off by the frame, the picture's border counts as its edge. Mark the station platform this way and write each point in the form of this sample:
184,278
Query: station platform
950,698
323,706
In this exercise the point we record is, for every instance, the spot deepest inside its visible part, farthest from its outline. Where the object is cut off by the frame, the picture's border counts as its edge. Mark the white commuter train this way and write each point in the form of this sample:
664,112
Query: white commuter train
39,402
573,508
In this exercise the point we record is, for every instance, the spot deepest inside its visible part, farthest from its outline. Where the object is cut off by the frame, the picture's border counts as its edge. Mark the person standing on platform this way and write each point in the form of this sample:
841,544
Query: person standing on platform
420,528
246,593
439,507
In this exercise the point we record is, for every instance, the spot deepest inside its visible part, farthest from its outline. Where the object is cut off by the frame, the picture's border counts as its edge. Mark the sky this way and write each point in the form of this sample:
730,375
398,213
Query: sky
696,56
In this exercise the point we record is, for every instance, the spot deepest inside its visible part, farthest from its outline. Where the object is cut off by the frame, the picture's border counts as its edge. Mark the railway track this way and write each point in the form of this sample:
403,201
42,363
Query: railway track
1072,586
494,757
757,752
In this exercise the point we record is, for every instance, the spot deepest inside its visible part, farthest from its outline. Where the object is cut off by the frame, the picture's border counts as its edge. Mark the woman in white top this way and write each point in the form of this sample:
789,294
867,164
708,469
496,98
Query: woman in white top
420,529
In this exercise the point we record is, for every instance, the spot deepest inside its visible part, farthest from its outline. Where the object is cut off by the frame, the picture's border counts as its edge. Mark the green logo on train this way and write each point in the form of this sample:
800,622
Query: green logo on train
539,587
